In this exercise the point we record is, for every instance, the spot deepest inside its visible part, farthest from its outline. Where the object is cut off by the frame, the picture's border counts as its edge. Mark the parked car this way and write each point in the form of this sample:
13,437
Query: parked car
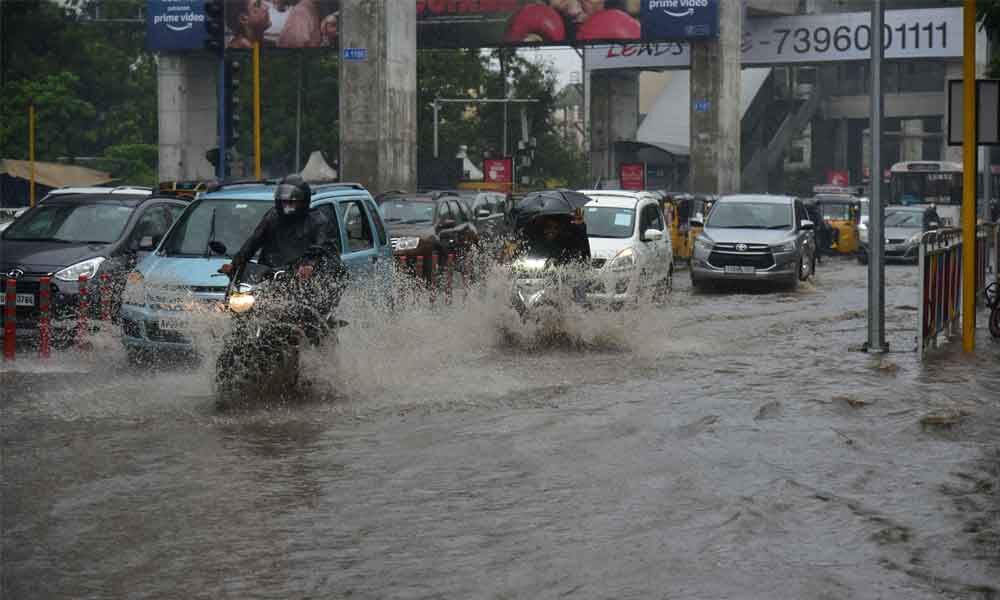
488,211
904,226
629,247
182,277
428,224
750,237
72,234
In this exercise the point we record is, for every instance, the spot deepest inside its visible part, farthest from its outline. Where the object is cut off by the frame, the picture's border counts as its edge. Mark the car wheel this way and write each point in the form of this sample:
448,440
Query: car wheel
806,267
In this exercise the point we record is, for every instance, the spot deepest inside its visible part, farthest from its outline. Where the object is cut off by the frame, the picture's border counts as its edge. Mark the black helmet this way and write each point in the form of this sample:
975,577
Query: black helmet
292,188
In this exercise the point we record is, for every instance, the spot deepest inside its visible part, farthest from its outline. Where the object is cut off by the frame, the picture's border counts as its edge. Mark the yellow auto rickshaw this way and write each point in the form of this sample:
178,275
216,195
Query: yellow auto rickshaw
182,189
685,213
842,211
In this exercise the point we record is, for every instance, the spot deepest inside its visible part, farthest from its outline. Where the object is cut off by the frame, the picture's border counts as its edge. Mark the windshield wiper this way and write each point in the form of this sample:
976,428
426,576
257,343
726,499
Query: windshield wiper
415,221
780,226
211,236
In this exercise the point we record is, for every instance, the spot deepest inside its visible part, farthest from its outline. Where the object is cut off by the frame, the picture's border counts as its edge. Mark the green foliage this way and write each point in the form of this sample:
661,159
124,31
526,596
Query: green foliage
58,110
132,163
988,15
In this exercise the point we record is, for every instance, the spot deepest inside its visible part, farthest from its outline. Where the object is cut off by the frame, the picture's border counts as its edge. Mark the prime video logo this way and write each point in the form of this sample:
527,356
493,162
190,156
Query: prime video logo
678,8
179,22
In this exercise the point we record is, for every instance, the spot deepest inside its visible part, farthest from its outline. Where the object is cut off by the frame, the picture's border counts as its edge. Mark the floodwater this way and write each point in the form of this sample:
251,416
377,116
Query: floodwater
728,445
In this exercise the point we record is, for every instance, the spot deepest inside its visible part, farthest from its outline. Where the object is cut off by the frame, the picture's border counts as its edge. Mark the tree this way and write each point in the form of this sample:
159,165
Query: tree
988,15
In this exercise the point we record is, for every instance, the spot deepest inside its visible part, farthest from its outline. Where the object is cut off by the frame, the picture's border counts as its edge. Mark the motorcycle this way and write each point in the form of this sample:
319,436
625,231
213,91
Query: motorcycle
273,314
541,289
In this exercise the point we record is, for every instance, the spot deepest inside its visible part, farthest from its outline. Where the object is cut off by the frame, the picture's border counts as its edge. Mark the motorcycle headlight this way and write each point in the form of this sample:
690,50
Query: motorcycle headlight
623,261
785,247
407,243
74,272
240,302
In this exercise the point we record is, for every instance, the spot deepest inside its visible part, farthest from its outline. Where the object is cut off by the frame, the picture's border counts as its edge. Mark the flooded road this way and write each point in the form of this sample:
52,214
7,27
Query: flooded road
728,445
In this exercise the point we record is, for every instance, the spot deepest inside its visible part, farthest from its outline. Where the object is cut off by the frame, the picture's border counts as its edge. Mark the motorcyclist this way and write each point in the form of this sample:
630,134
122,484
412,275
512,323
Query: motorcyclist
290,234
561,238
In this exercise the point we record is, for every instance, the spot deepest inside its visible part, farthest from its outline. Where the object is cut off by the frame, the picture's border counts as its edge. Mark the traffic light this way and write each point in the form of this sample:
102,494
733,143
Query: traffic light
215,26
233,106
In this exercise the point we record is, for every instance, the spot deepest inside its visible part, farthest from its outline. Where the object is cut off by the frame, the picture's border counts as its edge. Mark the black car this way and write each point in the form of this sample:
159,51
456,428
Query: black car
487,209
428,224
70,235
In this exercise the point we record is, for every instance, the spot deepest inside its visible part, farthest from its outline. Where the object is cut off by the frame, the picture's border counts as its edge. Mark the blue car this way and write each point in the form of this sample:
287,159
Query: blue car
179,283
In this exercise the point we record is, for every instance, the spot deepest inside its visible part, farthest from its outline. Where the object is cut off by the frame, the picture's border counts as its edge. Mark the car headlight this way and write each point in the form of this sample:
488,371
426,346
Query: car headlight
703,243
74,272
786,247
407,243
623,261
240,302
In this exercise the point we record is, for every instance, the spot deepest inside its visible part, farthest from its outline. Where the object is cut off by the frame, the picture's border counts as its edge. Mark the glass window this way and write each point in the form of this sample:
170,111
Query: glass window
383,239
931,149
407,211
153,223
651,219
359,233
331,223
609,222
444,212
458,210
933,124
97,223
750,215
228,221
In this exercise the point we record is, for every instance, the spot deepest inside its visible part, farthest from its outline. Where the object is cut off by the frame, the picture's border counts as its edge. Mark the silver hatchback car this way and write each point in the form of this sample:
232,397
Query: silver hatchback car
755,237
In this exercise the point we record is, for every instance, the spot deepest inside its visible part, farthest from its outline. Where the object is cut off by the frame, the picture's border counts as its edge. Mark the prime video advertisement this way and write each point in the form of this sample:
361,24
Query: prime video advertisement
442,23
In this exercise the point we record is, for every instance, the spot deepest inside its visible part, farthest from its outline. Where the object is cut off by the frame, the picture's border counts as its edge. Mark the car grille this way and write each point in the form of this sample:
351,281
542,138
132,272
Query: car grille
759,257
155,334
895,241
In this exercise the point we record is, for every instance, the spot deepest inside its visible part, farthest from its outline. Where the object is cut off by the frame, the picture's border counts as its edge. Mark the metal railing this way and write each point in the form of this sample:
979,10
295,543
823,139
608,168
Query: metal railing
940,286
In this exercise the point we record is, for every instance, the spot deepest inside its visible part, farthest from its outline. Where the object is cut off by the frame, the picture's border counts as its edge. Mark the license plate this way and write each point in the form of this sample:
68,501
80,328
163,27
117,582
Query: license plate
25,300
739,269
173,324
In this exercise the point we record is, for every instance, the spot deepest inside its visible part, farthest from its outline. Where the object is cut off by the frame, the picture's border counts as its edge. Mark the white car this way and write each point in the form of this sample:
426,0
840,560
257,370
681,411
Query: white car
629,245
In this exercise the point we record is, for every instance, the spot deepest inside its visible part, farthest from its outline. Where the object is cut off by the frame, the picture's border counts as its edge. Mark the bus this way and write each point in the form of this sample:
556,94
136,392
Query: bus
926,183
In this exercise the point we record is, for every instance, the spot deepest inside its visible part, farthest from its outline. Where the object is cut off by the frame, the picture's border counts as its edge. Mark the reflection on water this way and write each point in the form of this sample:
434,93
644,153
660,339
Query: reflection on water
724,445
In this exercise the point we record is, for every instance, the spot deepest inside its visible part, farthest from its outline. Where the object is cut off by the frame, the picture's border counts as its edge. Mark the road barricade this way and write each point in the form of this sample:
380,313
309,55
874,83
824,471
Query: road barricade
85,311
435,273
939,311
987,257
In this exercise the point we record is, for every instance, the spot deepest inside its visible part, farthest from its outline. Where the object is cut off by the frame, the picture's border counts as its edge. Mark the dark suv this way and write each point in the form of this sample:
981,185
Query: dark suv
69,235
487,209
428,224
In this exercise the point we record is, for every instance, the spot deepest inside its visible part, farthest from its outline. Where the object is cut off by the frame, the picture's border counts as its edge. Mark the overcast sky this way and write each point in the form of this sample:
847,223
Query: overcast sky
564,60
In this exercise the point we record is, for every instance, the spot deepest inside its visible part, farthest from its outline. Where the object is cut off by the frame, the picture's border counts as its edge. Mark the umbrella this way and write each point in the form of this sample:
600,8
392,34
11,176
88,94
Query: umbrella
548,202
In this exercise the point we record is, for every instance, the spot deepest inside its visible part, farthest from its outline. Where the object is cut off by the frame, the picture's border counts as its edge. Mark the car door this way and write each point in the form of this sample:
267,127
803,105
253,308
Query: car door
445,223
467,233
807,238
359,252
382,237
648,248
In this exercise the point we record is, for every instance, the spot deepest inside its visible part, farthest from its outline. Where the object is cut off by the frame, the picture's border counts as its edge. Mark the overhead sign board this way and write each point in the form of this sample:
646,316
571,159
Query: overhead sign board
175,24
632,176
987,112
909,34
679,19
355,54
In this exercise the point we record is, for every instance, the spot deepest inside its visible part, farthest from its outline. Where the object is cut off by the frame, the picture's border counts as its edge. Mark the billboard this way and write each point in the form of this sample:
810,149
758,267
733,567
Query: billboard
445,23
498,170
909,34
632,176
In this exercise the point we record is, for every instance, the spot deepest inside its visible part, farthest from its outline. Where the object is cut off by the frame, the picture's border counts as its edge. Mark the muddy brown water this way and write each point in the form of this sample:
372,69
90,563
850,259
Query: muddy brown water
728,445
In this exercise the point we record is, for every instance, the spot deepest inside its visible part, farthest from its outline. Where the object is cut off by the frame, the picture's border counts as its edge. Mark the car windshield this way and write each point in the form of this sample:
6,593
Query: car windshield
836,212
91,223
609,222
751,215
396,211
904,219
228,221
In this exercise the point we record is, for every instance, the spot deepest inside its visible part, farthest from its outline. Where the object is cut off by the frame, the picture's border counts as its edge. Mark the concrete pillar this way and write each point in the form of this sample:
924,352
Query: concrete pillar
715,106
378,94
614,117
186,106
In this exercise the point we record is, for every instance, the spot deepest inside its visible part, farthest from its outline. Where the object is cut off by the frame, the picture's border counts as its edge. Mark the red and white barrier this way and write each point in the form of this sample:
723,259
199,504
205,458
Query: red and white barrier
436,271
105,297
10,320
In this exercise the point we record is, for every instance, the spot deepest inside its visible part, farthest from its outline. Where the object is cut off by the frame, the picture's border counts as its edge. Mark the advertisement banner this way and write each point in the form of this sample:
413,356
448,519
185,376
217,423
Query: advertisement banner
175,24
838,177
441,23
498,170
632,176
832,37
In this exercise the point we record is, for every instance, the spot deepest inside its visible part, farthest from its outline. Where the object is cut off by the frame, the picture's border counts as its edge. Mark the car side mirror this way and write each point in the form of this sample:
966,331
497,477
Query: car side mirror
146,244
696,223
217,247
447,224
652,235
807,225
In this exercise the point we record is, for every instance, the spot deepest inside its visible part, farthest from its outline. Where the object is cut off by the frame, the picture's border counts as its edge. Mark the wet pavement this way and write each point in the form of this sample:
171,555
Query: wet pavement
728,445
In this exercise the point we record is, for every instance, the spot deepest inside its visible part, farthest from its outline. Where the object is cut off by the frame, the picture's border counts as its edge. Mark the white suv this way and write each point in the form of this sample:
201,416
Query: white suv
629,245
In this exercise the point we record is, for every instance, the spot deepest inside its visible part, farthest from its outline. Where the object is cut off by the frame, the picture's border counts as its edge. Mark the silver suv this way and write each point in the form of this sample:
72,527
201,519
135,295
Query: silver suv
750,237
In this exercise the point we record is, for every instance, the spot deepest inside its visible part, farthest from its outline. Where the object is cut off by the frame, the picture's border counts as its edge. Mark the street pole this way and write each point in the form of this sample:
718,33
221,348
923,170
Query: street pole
298,120
969,173
31,153
503,73
437,107
876,233
220,165
256,111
